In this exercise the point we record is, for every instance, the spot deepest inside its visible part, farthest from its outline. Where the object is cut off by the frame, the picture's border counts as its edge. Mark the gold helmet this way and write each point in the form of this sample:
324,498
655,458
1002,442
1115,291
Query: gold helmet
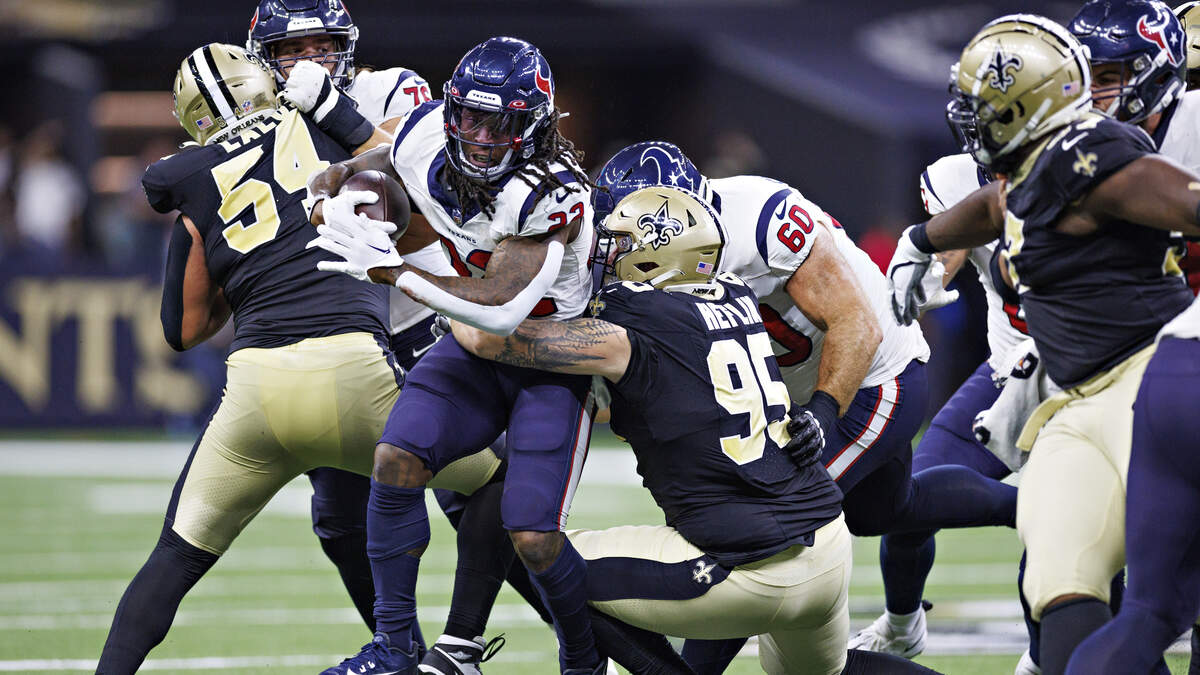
219,88
1189,15
1021,77
662,236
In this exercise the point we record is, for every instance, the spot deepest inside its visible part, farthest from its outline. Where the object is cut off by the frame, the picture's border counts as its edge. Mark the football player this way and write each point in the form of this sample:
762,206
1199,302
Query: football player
1162,511
503,190
754,541
1189,17
310,380
291,36
1086,210
827,309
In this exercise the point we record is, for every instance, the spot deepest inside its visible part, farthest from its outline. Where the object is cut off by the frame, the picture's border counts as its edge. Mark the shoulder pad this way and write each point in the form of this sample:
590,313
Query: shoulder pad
540,213
163,177
1090,151
948,180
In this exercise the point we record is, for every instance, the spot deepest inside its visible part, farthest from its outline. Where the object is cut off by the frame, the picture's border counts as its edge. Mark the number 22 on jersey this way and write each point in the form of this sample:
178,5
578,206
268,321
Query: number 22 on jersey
741,382
295,159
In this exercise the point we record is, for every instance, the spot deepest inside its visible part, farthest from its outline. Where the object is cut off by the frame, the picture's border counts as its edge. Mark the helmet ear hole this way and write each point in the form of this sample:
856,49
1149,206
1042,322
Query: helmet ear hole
646,267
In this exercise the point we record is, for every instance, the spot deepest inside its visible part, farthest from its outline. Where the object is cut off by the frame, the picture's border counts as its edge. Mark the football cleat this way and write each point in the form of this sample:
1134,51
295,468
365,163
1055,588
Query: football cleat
377,657
455,656
1026,666
881,637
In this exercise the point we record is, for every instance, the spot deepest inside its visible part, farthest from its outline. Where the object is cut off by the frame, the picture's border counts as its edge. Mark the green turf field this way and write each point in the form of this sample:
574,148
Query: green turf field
79,519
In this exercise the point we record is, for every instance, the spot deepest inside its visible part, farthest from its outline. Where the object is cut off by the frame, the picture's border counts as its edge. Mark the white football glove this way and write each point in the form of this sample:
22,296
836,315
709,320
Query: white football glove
305,84
339,210
936,294
906,276
361,243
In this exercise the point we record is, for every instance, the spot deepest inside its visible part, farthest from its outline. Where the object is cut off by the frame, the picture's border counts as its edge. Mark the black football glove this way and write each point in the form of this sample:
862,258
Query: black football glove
810,425
807,439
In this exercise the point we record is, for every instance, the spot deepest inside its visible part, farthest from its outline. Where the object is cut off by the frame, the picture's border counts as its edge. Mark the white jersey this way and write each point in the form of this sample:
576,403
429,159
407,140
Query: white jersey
1181,142
945,183
418,155
382,95
769,231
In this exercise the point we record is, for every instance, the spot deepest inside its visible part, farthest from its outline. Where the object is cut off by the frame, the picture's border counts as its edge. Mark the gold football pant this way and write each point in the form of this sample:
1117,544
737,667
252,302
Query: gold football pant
794,600
285,410
1071,499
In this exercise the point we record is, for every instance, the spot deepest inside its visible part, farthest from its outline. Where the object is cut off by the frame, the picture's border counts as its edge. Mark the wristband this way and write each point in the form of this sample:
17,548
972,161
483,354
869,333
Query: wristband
825,408
920,238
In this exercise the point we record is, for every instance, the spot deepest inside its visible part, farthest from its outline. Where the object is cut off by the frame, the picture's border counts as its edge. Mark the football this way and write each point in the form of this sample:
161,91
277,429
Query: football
392,206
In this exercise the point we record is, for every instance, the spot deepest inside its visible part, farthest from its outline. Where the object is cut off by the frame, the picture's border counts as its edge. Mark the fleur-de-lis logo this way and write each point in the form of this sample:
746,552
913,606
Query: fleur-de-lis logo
596,306
1085,165
1000,69
703,573
658,227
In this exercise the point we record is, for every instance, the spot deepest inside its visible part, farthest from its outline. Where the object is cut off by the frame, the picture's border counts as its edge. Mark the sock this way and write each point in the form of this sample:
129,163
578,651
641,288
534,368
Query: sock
859,662
1131,644
903,623
563,587
485,554
638,650
396,524
1194,665
711,657
1031,626
348,552
905,559
1064,626
148,606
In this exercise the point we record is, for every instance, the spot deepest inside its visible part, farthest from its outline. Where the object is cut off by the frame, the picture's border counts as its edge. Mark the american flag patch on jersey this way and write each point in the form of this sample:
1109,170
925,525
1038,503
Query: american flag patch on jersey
703,268
204,122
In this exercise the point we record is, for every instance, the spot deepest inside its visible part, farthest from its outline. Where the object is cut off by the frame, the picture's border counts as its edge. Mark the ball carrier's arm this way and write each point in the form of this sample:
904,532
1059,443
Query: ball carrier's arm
520,272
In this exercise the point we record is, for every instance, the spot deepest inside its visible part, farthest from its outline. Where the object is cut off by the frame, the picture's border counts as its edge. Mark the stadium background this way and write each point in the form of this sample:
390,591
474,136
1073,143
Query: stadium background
841,100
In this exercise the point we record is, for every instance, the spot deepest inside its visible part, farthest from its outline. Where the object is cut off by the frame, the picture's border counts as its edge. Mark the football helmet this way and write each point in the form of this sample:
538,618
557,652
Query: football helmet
508,84
1147,41
662,236
1189,18
276,20
643,165
221,88
1021,77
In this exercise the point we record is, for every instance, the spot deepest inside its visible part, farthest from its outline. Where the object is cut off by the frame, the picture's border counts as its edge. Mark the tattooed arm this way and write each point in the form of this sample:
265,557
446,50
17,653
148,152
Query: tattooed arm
581,346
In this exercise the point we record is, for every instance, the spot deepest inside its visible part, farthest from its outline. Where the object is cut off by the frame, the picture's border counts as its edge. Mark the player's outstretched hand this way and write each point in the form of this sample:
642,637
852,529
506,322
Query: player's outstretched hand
308,86
807,438
360,243
906,273
936,294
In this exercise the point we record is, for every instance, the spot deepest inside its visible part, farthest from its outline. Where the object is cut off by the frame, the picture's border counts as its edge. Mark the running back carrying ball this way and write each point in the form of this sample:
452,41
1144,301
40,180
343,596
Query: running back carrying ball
392,205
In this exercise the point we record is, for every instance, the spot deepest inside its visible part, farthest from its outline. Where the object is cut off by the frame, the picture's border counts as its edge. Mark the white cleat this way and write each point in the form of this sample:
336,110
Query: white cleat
456,656
882,637
1026,666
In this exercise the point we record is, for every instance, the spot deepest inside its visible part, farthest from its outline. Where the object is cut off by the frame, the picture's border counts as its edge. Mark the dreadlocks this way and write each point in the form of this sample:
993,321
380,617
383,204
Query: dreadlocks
536,173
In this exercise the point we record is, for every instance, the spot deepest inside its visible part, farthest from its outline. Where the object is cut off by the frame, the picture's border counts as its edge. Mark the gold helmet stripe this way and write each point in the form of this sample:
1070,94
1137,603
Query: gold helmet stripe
207,84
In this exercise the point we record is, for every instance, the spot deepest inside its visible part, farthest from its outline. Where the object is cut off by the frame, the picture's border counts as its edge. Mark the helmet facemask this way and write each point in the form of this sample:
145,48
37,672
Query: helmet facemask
514,129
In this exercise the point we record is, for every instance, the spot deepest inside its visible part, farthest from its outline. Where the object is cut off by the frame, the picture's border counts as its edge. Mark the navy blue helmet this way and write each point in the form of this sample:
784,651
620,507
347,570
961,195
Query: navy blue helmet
276,20
505,88
641,165
1147,41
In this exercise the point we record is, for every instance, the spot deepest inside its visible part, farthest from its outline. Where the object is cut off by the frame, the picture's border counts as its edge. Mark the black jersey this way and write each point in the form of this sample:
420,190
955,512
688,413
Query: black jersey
1090,301
705,409
244,197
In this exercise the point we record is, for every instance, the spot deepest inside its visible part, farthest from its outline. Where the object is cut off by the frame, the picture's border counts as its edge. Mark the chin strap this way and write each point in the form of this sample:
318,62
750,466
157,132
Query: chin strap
498,319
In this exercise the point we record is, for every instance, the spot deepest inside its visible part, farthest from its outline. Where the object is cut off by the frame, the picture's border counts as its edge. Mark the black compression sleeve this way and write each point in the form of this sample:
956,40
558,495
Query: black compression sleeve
171,313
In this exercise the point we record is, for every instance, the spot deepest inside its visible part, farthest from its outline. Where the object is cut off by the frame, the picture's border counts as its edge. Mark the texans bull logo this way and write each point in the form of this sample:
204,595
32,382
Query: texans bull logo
659,227
670,169
1001,68
1155,31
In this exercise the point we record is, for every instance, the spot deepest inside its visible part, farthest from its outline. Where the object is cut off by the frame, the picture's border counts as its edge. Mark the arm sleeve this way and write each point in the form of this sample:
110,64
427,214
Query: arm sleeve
171,313
158,188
